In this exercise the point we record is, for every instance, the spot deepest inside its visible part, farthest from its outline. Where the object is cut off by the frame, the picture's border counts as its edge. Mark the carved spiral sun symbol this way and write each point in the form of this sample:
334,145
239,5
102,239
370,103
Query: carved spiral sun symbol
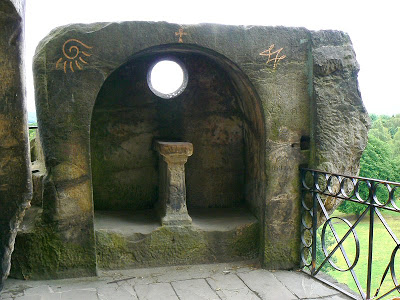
74,52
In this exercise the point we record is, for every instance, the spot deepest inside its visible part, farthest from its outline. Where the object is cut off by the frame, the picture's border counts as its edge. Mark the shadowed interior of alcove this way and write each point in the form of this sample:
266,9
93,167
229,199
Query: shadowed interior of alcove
220,175
128,117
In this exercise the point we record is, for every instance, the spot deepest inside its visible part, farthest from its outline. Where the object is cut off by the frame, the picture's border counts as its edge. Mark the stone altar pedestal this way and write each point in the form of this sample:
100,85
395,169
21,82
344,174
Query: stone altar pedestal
172,187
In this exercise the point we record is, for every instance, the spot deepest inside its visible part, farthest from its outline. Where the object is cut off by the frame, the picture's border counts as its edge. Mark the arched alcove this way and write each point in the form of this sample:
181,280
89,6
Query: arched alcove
212,113
128,117
215,112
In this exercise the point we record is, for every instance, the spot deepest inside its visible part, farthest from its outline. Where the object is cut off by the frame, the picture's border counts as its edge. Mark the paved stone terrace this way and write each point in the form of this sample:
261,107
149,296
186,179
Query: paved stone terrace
241,281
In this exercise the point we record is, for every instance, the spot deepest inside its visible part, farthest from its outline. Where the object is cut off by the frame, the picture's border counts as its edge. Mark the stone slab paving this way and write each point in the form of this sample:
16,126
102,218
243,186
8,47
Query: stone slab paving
266,285
156,291
241,280
230,286
196,289
304,286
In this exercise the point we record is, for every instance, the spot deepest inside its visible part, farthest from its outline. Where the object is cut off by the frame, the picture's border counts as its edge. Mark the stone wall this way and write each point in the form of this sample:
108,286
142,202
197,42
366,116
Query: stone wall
279,95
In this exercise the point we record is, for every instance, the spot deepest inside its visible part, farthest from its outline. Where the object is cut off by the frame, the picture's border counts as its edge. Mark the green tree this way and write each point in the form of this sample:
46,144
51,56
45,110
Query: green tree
391,123
376,161
349,207
373,117
379,131
396,147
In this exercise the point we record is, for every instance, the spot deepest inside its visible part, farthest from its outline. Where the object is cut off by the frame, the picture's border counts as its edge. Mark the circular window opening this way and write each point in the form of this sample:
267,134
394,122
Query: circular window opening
167,78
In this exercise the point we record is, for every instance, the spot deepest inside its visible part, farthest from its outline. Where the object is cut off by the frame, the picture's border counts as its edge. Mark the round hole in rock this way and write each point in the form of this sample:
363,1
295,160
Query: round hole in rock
167,78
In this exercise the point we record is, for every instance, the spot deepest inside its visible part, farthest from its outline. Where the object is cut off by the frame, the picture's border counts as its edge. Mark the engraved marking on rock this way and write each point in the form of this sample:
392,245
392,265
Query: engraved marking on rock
273,56
74,52
180,33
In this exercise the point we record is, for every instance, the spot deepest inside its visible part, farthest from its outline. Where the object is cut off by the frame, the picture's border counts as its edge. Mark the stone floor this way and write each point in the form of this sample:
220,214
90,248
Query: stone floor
240,281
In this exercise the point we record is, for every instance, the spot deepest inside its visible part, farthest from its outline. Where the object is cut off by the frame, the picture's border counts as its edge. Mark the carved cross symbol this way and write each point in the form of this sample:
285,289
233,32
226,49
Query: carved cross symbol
270,54
180,34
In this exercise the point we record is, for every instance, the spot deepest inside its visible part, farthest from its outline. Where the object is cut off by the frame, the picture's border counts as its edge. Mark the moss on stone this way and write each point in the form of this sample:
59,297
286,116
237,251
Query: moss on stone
282,255
164,246
42,254
178,243
246,240
174,245
112,250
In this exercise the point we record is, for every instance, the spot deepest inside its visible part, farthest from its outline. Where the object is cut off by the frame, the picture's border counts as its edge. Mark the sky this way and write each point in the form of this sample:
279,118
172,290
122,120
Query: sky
373,26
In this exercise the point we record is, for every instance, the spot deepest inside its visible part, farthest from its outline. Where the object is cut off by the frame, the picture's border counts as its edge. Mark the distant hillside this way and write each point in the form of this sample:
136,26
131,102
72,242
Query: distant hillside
32,117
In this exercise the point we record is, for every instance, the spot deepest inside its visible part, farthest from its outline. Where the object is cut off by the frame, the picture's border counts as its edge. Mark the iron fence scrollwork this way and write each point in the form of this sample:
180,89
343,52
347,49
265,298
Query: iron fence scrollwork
317,187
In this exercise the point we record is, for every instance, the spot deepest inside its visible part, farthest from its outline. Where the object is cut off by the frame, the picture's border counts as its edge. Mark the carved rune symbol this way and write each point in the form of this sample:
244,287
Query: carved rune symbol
180,34
73,55
273,56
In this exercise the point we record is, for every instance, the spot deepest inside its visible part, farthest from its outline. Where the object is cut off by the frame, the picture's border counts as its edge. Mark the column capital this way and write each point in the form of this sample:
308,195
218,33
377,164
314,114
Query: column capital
174,148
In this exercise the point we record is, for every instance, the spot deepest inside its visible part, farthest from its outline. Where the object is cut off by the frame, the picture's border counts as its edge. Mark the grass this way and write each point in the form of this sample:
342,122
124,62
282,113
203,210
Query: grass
383,247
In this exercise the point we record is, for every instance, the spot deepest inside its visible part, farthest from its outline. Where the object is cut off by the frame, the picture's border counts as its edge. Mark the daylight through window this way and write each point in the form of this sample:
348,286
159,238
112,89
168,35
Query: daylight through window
167,78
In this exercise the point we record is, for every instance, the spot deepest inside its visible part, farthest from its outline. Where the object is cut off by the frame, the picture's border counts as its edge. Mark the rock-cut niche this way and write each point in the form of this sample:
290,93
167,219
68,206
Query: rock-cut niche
128,117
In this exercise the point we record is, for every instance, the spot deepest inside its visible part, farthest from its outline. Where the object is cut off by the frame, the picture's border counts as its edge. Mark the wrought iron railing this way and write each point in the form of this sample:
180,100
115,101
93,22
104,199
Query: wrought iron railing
377,196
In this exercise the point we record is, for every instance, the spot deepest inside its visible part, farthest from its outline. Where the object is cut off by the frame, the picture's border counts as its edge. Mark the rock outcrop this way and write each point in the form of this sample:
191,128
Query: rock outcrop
260,102
340,120
15,177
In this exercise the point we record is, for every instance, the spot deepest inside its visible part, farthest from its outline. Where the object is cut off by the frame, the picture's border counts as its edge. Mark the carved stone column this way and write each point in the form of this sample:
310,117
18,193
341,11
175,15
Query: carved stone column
172,187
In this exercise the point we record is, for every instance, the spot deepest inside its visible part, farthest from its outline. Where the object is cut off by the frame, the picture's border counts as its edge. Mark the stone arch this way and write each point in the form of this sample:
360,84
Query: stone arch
239,116
248,111
71,96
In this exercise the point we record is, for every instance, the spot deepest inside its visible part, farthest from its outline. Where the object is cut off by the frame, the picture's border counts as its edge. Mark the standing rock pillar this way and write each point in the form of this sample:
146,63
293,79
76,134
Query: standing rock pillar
172,187
15,175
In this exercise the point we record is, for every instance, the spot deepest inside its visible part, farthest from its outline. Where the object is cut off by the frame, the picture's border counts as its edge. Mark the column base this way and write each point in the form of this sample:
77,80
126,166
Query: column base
176,220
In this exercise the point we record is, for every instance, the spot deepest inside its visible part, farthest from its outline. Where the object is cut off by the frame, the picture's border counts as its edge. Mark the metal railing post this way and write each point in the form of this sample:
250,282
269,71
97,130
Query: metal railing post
314,231
371,188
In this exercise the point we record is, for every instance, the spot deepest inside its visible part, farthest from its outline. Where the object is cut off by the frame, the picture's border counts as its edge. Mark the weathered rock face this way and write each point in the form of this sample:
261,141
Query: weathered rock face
340,120
15,177
259,103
